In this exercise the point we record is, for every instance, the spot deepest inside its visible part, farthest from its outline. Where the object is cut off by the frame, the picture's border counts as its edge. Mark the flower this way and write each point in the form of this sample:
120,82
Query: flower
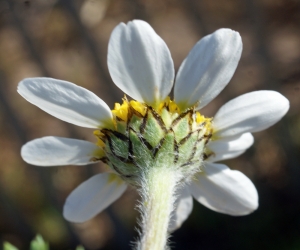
140,64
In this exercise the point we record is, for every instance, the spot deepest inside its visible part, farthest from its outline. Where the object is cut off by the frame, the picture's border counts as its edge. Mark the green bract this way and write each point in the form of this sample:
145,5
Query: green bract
154,140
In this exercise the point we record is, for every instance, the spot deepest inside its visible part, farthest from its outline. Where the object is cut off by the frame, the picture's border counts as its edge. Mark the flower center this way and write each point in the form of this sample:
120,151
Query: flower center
144,138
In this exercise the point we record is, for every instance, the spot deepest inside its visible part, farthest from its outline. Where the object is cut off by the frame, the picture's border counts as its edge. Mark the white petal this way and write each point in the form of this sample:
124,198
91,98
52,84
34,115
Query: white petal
208,68
93,196
225,156
229,147
66,101
58,151
183,207
224,190
140,62
250,112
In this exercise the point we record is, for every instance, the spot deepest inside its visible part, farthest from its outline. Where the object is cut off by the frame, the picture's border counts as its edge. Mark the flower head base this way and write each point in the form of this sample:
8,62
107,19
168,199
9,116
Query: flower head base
145,138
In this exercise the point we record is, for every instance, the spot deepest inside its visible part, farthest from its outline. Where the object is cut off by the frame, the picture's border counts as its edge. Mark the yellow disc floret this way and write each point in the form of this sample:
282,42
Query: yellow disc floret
208,122
170,105
139,107
100,139
121,111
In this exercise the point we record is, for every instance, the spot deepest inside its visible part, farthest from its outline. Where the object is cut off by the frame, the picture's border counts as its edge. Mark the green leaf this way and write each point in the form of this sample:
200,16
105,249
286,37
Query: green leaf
8,246
39,244
79,248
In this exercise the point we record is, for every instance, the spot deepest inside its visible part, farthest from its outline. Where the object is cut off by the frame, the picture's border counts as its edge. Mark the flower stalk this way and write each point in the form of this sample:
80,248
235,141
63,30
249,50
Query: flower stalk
158,196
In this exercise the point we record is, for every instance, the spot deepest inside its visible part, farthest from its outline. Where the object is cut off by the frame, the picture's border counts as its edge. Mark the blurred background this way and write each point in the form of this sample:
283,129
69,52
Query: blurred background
68,40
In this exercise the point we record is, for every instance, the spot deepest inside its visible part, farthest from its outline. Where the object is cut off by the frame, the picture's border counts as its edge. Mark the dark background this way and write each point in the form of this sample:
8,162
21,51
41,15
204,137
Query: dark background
68,40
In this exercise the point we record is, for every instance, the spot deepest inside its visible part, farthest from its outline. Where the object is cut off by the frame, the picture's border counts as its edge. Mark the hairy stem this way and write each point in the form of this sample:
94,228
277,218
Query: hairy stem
158,196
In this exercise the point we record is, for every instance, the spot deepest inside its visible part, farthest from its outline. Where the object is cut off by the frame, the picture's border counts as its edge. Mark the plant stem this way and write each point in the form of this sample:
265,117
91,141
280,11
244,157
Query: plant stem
158,197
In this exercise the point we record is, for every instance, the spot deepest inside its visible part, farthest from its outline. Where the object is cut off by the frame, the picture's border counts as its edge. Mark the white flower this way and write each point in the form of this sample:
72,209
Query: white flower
140,64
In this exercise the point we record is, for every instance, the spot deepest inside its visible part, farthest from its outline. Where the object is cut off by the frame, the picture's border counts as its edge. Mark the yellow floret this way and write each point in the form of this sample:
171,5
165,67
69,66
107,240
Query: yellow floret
98,153
173,108
121,111
170,105
99,142
200,119
163,104
139,107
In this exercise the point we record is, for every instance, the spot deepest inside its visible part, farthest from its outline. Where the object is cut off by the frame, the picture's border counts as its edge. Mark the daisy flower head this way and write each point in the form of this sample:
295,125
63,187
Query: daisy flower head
152,132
